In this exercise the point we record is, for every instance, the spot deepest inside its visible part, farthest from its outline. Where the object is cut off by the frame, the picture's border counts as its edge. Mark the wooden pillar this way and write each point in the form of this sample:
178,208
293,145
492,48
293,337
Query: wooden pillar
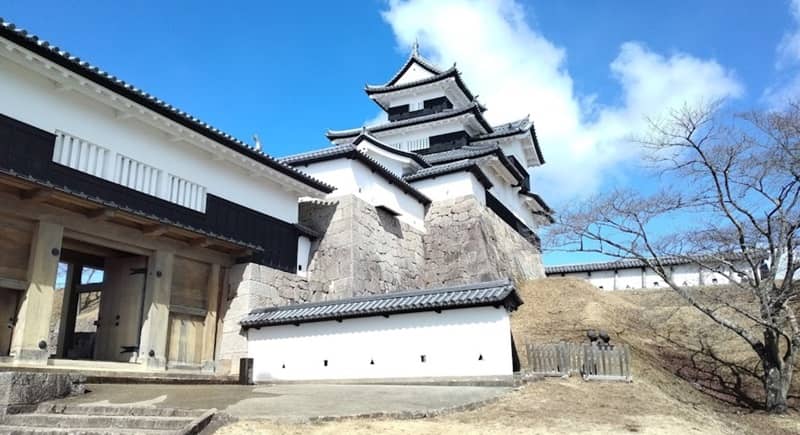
644,277
32,331
210,325
222,365
155,325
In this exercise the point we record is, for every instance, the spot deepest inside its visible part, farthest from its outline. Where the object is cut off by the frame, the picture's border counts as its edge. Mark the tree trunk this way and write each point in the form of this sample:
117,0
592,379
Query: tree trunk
777,373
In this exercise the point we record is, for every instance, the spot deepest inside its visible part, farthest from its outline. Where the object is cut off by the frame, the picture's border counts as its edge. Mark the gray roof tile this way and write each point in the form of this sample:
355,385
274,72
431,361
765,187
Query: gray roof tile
634,263
513,127
464,152
494,293
449,168
473,108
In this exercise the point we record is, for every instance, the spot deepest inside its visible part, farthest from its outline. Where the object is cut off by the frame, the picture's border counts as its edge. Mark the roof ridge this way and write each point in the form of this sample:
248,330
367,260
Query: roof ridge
393,295
414,57
441,74
676,259
380,144
410,121
321,151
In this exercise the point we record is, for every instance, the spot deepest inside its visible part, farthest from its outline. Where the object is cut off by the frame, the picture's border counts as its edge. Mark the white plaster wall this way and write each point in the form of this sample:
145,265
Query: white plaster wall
686,274
338,173
303,250
377,191
509,196
410,98
399,165
413,73
514,148
29,97
451,342
351,177
628,279
652,280
714,278
603,279
452,186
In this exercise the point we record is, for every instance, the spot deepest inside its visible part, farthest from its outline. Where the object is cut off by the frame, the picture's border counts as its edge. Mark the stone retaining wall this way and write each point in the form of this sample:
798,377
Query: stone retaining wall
249,287
363,250
466,242
21,391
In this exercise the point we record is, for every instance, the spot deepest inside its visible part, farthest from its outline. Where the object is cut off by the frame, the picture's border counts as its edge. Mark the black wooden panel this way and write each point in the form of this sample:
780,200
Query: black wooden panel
28,151
447,141
429,107
437,104
397,112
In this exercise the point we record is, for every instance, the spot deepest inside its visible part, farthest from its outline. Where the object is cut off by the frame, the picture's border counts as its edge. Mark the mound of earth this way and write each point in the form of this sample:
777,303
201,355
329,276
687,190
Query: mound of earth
677,387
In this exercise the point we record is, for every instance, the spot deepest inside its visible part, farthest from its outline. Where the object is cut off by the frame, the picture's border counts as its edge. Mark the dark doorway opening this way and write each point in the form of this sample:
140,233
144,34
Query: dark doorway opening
9,304
100,316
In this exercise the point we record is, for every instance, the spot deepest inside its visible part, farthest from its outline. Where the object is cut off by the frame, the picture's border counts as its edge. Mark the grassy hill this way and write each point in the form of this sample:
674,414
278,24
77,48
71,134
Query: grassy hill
679,386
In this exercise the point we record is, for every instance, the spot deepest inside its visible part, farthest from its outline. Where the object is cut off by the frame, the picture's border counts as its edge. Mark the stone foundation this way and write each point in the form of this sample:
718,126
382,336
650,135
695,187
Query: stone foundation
22,391
363,250
252,286
466,242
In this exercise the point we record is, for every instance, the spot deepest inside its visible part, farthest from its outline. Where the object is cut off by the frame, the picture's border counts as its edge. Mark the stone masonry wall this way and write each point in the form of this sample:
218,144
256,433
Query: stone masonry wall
466,242
363,250
252,286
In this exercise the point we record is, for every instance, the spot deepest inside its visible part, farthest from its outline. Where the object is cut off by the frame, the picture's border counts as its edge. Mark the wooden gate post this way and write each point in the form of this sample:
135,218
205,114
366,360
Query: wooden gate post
32,330
155,327
210,325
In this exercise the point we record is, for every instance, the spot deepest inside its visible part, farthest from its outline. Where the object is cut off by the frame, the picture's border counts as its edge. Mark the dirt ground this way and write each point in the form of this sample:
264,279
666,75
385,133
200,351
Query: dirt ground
678,387
557,406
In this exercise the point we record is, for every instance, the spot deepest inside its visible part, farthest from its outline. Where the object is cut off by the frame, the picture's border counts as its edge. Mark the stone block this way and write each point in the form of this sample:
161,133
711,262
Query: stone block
21,391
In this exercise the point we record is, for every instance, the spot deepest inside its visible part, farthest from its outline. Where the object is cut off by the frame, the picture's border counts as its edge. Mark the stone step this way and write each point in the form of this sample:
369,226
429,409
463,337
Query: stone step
55,408
27,430
95,421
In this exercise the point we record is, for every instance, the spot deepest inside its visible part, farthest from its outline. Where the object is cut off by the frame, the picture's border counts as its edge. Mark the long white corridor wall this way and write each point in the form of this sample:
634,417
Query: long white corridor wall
453,343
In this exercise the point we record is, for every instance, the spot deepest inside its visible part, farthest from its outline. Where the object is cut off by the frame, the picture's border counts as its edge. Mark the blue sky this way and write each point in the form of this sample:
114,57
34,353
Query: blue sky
587,72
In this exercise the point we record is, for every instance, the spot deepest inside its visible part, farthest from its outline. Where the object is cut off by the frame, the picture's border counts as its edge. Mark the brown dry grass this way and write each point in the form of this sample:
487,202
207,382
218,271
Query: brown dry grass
665,397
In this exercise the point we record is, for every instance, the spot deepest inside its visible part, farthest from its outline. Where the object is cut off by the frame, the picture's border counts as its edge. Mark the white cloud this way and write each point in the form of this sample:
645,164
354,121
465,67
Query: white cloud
789,47
787,86
518,71
380,118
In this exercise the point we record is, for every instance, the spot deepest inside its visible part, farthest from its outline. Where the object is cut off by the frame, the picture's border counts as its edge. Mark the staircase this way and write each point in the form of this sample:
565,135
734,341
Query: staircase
105,420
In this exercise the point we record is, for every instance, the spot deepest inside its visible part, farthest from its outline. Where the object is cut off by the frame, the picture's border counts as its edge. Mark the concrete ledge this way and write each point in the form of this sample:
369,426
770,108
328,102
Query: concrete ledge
31,356
470,381
129,377
197,425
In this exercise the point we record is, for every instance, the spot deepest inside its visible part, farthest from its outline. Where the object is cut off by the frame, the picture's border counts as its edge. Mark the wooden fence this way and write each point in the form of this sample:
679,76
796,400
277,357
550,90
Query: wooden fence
592,362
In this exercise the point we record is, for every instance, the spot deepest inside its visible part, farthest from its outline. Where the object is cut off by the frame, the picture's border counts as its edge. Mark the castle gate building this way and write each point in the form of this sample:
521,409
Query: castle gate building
121,216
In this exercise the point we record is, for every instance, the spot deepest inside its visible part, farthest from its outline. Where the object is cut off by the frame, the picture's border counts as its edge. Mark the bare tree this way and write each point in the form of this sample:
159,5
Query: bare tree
725,195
